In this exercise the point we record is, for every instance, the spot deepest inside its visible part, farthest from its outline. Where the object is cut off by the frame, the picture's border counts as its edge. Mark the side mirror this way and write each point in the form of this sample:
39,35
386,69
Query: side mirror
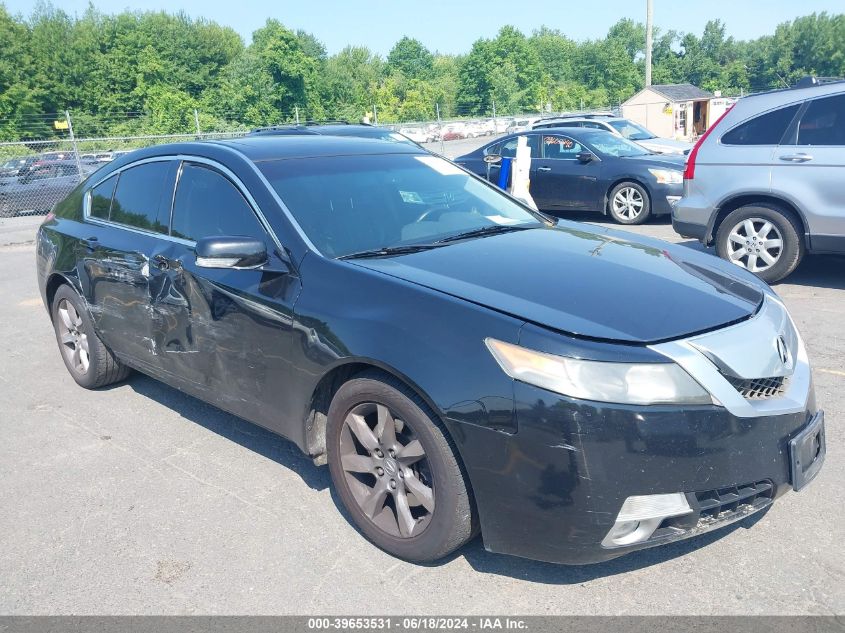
492,159
585,157
230,252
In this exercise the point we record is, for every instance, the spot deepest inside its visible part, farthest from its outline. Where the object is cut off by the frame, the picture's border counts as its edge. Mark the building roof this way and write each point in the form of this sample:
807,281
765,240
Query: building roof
680,92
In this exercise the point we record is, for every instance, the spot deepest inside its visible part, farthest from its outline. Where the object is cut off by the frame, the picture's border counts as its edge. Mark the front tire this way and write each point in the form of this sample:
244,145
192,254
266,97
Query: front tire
396,471
88,360
762,239
629,203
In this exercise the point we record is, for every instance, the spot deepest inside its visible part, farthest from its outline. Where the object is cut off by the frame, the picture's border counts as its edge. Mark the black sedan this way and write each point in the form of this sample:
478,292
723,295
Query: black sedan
589,170
382,308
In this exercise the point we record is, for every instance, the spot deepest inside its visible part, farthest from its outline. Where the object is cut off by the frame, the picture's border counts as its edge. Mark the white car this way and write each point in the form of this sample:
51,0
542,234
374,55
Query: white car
620,127
418,135
522,125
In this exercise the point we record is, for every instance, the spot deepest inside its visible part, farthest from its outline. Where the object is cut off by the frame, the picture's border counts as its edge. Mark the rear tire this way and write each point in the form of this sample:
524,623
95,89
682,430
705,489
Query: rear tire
89,361
413,502
762,238
629,203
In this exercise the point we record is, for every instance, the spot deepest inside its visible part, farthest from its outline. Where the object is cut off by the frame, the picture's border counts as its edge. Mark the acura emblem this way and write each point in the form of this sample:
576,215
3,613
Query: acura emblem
783,351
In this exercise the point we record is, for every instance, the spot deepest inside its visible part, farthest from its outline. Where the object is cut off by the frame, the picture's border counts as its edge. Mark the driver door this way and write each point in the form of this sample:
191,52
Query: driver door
561,182
224,333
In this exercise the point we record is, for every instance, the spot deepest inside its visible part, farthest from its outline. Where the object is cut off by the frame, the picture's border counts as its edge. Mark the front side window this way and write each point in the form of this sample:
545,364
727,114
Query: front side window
561,147
350,204
766,129
101,196
824,122
207,204
138,197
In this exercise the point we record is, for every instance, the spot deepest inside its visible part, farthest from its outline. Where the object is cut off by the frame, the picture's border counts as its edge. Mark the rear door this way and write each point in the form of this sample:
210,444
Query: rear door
559,181
810,168
126,213
224,333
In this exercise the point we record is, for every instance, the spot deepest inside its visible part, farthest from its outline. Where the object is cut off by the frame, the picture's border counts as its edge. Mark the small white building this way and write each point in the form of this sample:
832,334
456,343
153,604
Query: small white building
679,111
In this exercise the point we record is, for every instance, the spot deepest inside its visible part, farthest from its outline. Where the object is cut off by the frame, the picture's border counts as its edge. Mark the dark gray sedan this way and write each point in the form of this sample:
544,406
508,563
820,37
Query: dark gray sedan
588,170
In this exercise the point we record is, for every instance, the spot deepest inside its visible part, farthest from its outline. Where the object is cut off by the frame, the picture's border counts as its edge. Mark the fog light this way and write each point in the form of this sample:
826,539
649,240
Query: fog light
641,515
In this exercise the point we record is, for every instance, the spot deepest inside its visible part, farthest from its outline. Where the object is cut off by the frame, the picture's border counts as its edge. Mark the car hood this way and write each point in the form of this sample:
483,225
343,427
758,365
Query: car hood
666,145
601,284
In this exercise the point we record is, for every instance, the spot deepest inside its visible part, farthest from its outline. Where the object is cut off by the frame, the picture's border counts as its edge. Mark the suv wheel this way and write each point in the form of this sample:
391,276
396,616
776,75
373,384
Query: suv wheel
89,361
396,471
762,239
628,203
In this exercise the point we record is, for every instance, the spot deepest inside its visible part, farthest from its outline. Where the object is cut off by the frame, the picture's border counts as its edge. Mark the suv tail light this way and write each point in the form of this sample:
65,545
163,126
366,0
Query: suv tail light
689,170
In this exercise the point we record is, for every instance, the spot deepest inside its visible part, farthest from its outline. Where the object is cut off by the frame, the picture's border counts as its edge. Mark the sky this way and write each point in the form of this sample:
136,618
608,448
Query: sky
451,26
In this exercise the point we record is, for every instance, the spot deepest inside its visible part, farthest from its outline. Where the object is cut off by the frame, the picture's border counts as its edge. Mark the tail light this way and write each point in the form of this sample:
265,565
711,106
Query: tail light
689,170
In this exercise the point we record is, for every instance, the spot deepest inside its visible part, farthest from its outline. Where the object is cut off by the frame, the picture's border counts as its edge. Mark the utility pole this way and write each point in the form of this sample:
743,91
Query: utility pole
440,128
495,121
649,27
197,122
296,113
375,114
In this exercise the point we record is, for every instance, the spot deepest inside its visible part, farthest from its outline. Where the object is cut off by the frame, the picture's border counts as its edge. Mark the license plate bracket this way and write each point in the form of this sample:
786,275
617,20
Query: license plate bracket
807,452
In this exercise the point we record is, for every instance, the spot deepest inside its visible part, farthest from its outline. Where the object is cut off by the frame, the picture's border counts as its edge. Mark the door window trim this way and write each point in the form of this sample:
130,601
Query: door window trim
181,158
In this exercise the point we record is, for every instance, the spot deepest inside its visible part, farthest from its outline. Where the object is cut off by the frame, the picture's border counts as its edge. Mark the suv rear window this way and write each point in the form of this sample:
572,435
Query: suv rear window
766,129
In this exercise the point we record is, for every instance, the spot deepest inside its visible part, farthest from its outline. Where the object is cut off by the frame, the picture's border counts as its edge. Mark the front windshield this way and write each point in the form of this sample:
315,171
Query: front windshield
350,204
612,145
632,131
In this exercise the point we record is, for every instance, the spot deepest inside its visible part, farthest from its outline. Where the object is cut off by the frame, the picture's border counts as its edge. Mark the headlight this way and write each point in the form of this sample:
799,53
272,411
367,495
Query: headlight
667,176
624,383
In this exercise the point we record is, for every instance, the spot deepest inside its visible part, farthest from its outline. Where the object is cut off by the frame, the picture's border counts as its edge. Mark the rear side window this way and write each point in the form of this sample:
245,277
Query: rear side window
138,196
824,122
508,149
766,129
207,204
101,198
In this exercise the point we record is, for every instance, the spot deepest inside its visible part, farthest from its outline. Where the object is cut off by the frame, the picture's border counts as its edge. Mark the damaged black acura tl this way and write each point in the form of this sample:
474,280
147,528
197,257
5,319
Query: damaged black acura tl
462,363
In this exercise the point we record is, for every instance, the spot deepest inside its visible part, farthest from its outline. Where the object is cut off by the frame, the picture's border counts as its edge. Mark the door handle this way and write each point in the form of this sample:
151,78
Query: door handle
544,169
796,158
161,262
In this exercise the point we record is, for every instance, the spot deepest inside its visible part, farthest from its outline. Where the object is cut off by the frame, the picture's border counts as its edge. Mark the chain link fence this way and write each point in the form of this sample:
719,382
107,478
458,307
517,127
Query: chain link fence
60,150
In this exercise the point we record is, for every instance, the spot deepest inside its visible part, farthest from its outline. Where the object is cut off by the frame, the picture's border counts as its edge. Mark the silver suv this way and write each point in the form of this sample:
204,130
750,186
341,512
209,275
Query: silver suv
765,182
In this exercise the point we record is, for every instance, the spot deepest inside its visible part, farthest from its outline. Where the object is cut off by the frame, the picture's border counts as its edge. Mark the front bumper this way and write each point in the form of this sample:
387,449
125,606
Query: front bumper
664,198
553,490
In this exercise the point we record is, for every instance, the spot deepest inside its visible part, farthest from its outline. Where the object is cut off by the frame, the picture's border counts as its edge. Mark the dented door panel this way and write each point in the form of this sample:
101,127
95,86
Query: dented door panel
224,333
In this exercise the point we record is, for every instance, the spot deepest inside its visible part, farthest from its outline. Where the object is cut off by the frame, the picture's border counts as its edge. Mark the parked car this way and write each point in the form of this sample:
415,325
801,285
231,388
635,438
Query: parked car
576,169
461,362
15,167
41,187
621,127
416,134
764,184
520,125
335,128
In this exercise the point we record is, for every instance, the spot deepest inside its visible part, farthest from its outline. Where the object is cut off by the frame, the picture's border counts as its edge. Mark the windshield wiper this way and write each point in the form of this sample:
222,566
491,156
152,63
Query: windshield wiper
390,250
485,230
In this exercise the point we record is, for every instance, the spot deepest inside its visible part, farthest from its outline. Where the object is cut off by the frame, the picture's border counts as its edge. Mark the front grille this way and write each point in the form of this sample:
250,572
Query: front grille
758,388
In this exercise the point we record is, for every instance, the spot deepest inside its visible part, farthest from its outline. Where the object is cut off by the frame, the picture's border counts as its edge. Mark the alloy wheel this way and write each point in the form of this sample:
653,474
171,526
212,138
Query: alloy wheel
628,203
755,244
386,470
73,339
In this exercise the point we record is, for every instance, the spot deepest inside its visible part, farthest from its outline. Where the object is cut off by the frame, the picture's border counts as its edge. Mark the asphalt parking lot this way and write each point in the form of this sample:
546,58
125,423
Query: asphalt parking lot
137,499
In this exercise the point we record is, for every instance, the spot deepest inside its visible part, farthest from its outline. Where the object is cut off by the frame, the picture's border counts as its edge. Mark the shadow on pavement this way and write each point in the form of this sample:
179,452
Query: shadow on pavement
251,436
819,271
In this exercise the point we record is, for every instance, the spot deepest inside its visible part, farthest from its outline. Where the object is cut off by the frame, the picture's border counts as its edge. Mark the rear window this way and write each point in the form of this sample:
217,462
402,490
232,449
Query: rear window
137,198
101,198
766,129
